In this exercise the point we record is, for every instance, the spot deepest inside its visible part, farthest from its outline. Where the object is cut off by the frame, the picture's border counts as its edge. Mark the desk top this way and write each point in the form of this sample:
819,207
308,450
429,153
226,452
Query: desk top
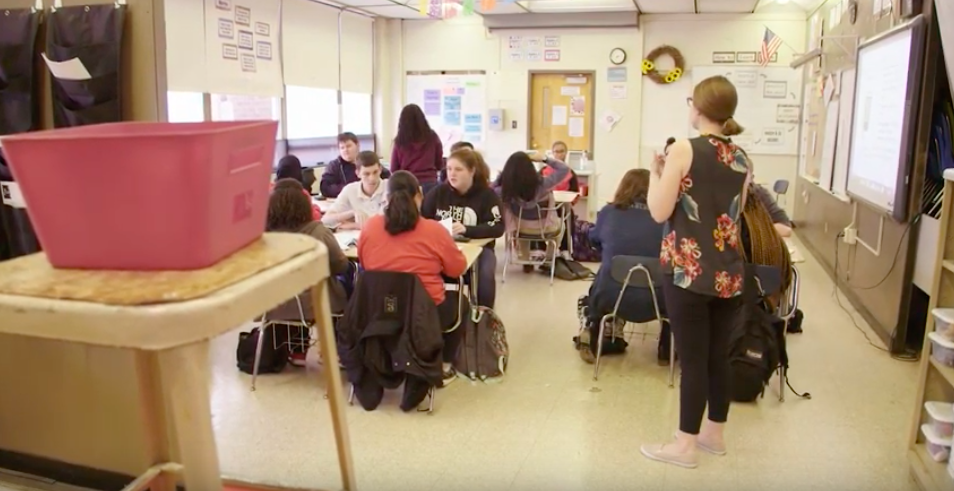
323,204
156,310
470,249
564,196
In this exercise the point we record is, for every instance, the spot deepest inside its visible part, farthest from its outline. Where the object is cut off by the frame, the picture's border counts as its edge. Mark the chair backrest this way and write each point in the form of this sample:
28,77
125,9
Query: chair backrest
641,271
548,213
769,278
781,186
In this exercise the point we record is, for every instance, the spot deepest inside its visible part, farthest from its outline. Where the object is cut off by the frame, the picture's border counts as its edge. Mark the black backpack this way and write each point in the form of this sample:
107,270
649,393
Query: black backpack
753,345
273,359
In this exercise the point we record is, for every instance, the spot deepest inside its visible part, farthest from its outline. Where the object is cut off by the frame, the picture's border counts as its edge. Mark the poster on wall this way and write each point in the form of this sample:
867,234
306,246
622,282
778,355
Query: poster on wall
241,54
454,105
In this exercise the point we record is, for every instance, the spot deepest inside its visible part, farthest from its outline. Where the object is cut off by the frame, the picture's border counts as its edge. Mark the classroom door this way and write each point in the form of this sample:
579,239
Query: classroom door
561,109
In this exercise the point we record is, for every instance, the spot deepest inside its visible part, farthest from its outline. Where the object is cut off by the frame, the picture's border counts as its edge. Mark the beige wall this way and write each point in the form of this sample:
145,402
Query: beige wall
73,403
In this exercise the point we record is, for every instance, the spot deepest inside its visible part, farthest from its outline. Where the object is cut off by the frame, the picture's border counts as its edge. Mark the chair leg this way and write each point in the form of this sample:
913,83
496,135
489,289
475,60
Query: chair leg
430,401
506,265
556,248
351,396
672,359
258,354
782,374
599,345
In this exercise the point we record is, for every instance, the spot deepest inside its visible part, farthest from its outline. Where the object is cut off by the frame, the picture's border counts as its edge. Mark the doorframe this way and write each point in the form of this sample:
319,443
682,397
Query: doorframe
592,95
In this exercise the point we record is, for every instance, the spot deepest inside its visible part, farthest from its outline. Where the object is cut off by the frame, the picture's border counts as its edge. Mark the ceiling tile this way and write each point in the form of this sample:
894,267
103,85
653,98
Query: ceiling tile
666,6
557,6
395,11
726,6
500,9
366,3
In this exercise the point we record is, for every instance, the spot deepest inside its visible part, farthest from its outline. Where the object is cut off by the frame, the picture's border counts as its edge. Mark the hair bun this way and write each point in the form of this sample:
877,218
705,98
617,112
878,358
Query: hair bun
731,127
670,141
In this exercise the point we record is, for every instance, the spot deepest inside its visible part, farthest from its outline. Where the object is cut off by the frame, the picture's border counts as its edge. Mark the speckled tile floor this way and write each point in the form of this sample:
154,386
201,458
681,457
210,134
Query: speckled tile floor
550,426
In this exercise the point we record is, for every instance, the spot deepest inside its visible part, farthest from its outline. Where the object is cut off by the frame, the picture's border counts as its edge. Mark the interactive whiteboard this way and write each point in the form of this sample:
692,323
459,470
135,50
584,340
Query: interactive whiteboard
770,104
887,88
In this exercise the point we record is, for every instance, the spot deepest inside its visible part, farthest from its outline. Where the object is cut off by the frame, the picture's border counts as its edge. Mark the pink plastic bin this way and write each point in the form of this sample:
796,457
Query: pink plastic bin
145,196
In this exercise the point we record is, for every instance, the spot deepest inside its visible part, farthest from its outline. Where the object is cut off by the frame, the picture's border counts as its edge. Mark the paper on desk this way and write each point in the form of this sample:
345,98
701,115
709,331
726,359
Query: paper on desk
448,223
72,69
347,238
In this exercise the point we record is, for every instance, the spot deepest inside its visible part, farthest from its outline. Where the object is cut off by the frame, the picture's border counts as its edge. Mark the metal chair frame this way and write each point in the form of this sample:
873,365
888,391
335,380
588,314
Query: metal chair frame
614,315
552,240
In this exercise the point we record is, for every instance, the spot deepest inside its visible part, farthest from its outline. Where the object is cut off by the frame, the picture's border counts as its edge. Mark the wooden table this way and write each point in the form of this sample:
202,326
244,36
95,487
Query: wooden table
167,319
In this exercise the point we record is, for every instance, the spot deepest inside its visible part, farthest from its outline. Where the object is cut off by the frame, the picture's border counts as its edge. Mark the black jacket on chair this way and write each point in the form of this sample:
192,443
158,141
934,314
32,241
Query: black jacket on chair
390,330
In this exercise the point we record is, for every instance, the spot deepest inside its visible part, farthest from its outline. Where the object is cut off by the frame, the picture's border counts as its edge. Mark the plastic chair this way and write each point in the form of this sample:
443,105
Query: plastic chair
520,235
635,272
780,188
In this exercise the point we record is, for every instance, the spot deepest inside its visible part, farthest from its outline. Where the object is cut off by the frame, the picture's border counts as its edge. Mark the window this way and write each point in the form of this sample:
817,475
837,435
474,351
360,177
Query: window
185,107
247,108
311,113
356,113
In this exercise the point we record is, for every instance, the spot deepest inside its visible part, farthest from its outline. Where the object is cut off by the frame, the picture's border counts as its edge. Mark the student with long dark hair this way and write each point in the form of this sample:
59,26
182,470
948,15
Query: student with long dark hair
699,190
402,240
466,198
417,149
521,189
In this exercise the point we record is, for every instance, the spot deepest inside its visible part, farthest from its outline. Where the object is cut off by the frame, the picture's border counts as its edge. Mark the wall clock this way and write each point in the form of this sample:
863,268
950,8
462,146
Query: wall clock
617,56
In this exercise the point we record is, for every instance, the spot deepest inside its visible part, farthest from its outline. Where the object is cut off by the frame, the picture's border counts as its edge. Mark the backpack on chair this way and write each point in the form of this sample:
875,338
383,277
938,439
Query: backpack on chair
484,352
753,345
583,249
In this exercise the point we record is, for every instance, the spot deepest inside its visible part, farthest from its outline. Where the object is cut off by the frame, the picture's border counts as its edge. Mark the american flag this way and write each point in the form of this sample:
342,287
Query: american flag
770,44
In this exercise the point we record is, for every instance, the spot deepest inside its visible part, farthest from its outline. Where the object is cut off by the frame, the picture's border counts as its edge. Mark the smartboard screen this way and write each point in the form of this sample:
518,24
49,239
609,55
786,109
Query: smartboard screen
885,114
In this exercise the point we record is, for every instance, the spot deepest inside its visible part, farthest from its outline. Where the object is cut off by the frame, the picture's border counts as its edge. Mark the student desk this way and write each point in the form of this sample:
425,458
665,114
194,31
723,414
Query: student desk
323,204
167,318
471,252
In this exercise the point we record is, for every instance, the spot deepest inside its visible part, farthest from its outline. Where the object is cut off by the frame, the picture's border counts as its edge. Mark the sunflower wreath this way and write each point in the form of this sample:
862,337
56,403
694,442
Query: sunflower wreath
649,65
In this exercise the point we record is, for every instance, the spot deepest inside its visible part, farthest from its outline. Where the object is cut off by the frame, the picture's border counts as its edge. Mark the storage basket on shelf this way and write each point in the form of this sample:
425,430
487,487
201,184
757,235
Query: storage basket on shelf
942,350
145,196
941,417
938,447
944,323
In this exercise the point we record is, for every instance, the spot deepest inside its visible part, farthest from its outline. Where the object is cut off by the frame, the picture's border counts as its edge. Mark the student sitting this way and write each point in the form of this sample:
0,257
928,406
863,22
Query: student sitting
442,175
402,240
624,228
342,170
521,189
289,167
571,183
289,210
466,198
359,200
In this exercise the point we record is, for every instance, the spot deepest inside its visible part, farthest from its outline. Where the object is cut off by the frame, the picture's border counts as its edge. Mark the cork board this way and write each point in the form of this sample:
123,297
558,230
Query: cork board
33,276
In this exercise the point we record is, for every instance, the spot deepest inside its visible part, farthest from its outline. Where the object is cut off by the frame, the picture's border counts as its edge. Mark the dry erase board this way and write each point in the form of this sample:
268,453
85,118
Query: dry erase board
770,103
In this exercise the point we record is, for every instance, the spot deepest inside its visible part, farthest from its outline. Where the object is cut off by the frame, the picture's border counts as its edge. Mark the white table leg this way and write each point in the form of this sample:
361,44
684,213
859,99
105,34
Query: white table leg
336,399
184,373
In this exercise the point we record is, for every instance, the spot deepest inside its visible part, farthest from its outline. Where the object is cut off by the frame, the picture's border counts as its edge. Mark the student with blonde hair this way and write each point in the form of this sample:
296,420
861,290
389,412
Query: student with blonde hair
698,189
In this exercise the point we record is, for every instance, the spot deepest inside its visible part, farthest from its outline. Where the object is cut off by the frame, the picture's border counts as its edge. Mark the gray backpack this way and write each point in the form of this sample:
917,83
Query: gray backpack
484,352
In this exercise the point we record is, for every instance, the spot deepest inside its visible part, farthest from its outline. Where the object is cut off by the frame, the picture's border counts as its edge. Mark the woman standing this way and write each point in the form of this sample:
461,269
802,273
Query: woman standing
417,149
699,189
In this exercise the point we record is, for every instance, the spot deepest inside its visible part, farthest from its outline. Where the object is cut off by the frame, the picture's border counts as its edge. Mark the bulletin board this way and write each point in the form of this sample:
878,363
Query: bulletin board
455,105
770,103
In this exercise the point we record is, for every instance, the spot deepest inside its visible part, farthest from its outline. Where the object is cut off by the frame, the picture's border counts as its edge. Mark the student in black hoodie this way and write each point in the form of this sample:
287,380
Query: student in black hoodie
342,170
466,198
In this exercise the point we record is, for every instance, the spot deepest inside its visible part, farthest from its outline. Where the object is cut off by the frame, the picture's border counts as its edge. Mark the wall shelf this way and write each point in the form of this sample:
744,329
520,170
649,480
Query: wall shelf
935,380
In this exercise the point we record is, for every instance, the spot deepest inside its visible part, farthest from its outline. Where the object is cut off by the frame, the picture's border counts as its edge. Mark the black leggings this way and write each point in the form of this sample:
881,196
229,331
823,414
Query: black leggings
701,325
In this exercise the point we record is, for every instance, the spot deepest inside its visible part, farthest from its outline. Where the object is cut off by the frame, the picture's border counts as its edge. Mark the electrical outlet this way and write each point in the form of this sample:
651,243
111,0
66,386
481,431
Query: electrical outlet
851,236
513,124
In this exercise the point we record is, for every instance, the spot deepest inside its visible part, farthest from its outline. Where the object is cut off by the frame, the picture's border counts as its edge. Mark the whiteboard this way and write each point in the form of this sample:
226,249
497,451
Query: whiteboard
455,105
769,108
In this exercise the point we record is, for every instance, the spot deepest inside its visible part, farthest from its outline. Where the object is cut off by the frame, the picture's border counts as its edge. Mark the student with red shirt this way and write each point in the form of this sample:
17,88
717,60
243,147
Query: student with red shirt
402,240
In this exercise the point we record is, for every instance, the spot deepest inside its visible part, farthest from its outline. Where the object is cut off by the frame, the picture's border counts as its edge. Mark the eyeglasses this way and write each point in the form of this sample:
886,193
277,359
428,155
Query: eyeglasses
689,101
